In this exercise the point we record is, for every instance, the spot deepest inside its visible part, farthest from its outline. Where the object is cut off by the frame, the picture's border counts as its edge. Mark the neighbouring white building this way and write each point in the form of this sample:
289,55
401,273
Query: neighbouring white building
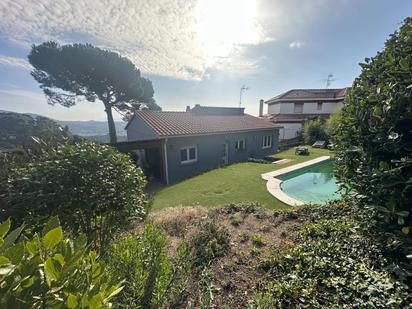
292,108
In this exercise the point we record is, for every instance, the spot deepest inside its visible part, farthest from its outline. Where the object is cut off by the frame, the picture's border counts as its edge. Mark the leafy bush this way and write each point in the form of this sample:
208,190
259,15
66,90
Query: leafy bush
48,271
152,279
332,125
342,262
314,130
92,188
375,132
210,242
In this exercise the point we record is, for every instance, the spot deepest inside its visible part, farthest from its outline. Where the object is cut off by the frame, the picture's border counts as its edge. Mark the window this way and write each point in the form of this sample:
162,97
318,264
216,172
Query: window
267,141
298,108
240,145
188,154
319,107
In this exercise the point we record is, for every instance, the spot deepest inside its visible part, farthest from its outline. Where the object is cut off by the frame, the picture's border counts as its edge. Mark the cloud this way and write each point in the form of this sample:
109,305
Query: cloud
14,62
177,38
13,98
296,44
26,94
239,64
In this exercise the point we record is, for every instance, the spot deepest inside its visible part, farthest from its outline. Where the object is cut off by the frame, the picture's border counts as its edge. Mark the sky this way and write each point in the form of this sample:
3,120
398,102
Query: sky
199,51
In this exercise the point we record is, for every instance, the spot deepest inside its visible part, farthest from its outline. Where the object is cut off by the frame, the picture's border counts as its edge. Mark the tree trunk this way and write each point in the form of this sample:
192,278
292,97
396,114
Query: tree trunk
110,122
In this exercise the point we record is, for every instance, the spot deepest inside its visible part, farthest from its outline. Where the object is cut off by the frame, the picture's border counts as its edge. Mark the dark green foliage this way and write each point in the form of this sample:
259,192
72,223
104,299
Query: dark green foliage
314,130
153,280
332,125
210,242
22,139
74,72
93,189
338,262
30,133
49,271
375,133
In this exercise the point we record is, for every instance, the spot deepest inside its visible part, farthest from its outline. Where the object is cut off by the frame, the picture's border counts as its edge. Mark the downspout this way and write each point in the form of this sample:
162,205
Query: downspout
165,158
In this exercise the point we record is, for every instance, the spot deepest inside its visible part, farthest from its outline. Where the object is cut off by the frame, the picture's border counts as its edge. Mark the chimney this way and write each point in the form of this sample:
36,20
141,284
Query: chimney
188,108
261,108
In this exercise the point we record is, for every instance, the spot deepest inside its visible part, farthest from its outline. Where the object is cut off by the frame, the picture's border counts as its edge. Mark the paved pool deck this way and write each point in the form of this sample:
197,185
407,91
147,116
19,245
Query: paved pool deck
273,184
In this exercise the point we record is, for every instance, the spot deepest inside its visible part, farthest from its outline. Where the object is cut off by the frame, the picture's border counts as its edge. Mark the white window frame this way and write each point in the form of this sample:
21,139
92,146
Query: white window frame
298,111
187,148
237,144
267,141
319,106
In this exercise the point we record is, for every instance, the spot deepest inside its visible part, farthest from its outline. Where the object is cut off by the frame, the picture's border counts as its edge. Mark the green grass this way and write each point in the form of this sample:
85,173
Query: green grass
237,183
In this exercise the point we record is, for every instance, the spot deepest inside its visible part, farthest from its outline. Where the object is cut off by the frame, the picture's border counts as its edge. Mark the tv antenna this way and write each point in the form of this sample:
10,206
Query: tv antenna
329,80
242,89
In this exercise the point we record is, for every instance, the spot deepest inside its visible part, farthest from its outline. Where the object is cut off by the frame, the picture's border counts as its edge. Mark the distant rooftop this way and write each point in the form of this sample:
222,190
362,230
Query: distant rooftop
215,110
310,95
201,120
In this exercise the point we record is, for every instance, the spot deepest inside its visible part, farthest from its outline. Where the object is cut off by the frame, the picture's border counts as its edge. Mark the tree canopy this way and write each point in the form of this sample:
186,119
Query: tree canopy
72,73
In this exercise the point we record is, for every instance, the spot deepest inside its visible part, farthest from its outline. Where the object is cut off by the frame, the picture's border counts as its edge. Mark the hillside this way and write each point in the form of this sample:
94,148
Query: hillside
28,124
25,130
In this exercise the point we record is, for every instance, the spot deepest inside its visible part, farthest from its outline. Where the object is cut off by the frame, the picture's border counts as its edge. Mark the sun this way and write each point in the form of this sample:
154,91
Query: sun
221,25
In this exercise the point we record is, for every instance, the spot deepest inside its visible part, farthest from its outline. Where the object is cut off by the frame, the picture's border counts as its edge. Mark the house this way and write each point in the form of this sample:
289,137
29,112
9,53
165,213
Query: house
292,108
173,146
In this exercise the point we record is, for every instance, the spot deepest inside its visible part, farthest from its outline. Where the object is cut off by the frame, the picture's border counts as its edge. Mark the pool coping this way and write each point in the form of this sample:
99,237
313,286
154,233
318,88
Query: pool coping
273,183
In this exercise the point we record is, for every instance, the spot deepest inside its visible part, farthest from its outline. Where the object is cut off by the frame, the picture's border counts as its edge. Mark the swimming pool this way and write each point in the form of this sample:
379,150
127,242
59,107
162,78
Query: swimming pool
314,184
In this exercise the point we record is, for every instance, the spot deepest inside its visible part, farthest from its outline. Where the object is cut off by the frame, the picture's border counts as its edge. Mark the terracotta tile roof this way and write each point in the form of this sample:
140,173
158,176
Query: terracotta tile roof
309,94
187,123
284,118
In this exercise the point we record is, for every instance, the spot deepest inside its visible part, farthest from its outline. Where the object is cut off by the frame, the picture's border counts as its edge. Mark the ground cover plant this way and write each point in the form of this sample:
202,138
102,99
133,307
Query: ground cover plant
341,259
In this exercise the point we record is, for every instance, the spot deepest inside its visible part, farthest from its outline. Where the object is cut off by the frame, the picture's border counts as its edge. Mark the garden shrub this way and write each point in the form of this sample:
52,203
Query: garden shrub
337,263
374,154
153,280
332,125
93,189
314,130
50,271
209,242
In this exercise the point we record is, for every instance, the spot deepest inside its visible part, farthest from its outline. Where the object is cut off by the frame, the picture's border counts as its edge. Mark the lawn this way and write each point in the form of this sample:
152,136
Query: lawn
237,183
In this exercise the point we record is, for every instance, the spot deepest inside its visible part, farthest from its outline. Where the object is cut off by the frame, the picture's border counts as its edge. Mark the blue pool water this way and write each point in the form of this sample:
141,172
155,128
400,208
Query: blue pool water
315,184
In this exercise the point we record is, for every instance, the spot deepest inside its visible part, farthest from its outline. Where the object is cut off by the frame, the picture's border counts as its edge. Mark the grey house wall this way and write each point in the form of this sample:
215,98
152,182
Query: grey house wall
210,151
138,130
